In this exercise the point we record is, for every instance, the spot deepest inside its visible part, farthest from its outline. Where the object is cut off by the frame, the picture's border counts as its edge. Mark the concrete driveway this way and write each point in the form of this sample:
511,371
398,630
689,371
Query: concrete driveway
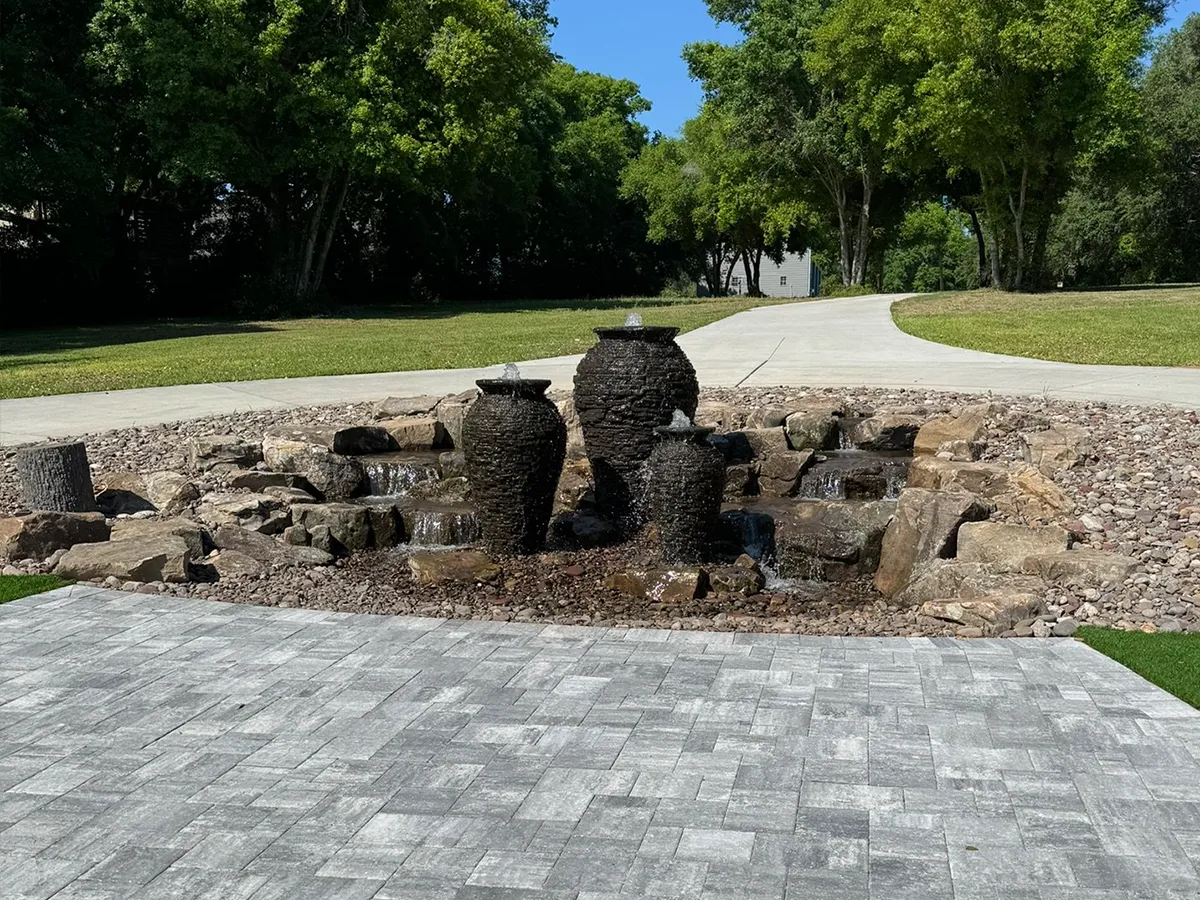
848,341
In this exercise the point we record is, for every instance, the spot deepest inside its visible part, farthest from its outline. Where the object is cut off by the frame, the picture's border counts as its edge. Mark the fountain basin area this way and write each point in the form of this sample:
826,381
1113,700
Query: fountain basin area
857,512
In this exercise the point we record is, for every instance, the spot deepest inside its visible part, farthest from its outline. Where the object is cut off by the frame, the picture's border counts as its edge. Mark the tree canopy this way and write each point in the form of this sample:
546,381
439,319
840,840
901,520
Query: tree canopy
273,157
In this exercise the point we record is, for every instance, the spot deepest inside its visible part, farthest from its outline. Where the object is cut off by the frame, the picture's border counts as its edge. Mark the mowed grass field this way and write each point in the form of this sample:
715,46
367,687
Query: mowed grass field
443,336
1141,327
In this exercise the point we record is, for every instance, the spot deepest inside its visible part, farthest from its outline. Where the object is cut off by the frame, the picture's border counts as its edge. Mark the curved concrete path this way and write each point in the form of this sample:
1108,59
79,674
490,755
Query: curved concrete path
848,341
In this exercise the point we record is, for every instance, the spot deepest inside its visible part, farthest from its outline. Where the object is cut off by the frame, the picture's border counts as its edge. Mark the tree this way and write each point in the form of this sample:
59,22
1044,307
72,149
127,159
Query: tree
809,131
1171,98
1017,94
933,251
289,101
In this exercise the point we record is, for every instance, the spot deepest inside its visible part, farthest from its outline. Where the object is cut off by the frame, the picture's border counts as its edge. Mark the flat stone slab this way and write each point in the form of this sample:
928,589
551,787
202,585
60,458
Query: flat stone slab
152,747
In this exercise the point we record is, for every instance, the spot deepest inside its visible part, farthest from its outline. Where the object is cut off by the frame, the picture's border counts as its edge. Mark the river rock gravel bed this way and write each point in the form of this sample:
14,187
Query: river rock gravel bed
1136,492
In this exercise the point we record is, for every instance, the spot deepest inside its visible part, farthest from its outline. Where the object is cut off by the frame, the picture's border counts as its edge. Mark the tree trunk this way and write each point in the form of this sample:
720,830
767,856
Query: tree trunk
1018,215
984,275
863,237
757,267
994,240
56,477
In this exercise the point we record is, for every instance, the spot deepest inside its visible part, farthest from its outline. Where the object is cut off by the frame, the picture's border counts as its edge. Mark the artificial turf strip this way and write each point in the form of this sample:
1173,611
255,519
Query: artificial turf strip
1142,327
14,587
1171,661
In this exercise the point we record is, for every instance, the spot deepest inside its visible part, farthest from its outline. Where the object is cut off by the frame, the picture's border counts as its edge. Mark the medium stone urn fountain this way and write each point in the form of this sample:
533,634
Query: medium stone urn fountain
627,384
514,441
686,485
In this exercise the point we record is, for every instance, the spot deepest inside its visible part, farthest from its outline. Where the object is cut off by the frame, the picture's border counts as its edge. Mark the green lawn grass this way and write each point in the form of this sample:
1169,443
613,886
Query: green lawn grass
433,336
1171,661
14,587
1143,327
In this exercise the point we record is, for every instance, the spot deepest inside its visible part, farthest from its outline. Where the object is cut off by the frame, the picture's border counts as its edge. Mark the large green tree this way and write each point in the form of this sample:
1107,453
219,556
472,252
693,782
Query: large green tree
290,101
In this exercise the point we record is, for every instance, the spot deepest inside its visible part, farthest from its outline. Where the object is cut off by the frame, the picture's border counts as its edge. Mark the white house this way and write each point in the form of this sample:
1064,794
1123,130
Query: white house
796,276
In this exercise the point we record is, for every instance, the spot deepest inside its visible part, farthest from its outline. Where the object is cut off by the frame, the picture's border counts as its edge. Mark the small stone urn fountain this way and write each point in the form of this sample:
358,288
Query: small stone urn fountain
514,441
626,385
686,485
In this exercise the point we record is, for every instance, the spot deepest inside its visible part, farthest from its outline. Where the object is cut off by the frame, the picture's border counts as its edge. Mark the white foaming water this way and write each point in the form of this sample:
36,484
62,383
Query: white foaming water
511,372
633,320
680,420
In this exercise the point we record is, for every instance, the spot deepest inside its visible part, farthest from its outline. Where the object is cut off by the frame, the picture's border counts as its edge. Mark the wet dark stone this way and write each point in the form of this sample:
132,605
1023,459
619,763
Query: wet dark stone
629,382
687,482
515,442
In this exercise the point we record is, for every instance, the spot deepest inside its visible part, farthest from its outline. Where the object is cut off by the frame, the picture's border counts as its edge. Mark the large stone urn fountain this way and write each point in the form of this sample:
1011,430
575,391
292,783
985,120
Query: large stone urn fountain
628,383
686,484
514,441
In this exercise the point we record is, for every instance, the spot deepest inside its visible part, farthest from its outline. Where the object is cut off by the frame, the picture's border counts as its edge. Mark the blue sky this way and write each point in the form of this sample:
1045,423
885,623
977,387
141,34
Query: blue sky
641,40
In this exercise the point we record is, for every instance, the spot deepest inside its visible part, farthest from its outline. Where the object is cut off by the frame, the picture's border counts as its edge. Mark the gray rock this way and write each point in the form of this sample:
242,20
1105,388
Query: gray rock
885,431
1084,567
811,430
233,563
1064,627
827,540
396,407
347,522
231,508
337,477
267,550
209,452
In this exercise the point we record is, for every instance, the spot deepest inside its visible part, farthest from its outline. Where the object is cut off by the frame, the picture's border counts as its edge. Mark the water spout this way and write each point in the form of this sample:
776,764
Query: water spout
680,420
633,320
511,372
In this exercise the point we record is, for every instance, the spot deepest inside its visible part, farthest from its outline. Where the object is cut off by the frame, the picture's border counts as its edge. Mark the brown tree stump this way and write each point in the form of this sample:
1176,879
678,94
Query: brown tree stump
56,477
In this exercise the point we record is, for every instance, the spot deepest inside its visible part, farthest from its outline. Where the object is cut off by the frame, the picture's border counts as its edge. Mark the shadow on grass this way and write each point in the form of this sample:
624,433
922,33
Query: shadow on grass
25,342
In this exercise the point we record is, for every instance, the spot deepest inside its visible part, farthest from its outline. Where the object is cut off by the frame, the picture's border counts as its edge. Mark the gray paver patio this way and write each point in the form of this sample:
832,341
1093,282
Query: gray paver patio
152,747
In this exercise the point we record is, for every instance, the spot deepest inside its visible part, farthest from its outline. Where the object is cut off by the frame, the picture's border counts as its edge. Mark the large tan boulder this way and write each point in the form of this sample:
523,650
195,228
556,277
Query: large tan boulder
451,412
1090,568
946,579
924,528
719,414
161,557
121,493
40,534
993,614
951,433
1057,448
566,409
193,533
1005,547
416,434
1023,492
170,491
471,566
336,476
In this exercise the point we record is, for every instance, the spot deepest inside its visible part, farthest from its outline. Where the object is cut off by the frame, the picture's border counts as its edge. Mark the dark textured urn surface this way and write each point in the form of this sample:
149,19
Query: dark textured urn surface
687,482
514,441
630,382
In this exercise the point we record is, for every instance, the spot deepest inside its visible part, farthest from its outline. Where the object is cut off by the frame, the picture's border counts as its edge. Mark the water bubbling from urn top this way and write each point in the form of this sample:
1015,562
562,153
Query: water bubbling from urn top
511,372
680,420
633,320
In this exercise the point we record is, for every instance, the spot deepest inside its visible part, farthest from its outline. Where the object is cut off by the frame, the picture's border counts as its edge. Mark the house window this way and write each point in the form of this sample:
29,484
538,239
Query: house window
783,279
737,280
